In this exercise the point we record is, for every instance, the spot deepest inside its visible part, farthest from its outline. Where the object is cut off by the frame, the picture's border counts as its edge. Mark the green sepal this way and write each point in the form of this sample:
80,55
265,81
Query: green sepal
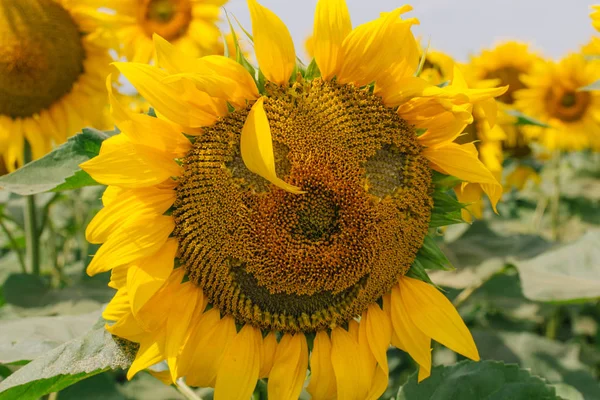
523,119
432,257
441,181
312,71
417,271
446,210
239,55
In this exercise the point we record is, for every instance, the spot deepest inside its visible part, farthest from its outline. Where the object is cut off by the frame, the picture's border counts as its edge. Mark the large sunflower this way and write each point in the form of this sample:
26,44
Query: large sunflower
51,62
553,97
281,226
189,24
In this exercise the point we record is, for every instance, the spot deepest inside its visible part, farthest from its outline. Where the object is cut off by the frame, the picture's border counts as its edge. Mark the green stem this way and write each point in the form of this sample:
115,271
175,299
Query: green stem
553,324
555,201
185,390
260,392
32,235
14,245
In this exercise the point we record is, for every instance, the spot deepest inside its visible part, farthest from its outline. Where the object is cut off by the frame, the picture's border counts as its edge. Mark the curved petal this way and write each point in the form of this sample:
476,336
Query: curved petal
412,339
289,368
436,317
462,162
272,43
378,331
238,372
322,377
256,146
332,25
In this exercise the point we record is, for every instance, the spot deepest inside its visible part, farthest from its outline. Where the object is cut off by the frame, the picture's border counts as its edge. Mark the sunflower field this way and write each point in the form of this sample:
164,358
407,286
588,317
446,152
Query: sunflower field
196,206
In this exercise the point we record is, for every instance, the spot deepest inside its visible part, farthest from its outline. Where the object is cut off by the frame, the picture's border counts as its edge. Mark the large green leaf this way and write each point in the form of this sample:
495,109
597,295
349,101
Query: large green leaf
558,363
22,340
59,169
80,358
485,380
481,252
569,273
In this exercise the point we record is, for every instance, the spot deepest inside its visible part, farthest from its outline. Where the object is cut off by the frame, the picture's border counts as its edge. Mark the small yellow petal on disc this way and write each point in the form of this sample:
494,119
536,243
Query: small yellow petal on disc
332,25
435,315
239,370
412,339
289,368
256,145
322,384
273,44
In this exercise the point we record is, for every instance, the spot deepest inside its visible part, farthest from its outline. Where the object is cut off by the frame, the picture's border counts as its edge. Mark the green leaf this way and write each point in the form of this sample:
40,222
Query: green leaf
59,169
591,87
485,380
569,273
27,338
432,255
523,119
80,358
557,362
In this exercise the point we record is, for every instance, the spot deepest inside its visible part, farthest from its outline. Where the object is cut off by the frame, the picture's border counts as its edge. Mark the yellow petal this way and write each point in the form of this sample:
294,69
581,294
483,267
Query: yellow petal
132,165
435,316
256,145
171,58
289,368
220,65
146,130
346,365
178,323
238,373
462,162
147,355
118,306
377,329
201,362
332,25
147,275
269,348
469,194
131,243
118,277
370,49
272,43
322,377
128,206
412,339
169,99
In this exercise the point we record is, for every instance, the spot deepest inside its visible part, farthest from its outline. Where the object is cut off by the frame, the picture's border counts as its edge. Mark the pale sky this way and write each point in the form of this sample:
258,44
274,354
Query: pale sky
458,27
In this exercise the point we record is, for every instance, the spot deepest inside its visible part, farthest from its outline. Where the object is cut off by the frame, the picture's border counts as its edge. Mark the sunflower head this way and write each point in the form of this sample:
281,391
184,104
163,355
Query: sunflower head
297,202
41,56
554,97
48,60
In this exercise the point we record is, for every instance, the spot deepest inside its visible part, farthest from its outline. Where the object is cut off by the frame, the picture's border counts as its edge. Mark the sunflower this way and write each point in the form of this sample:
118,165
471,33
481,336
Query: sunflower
189,24
506,63
438,67
51,62
595,16
553,97
280,229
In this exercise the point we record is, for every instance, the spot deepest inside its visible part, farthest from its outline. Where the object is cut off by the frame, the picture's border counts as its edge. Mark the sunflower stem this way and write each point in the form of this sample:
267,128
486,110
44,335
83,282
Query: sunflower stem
32,237
260,392
185,390
14,244
555,200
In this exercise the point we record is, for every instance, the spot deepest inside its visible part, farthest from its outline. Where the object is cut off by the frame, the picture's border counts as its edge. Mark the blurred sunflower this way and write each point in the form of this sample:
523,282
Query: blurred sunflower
51,62
282,226
438,67
506,63
189,24
595,16
592,48
553,97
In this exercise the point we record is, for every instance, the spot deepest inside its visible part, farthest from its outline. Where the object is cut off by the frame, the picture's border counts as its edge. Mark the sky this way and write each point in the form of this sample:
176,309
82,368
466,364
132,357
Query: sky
457,27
